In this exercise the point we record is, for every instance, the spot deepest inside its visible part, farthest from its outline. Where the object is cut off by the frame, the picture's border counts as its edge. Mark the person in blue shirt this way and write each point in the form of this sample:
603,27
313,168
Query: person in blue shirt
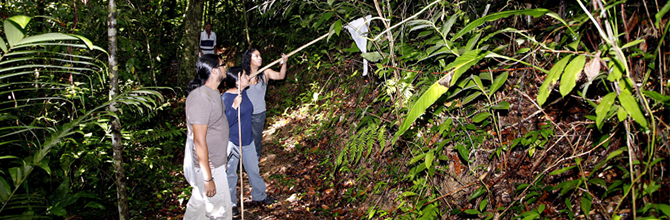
234,101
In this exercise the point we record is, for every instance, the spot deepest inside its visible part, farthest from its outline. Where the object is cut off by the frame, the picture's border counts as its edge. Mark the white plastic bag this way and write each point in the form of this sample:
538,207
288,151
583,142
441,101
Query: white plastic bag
189,169
359,31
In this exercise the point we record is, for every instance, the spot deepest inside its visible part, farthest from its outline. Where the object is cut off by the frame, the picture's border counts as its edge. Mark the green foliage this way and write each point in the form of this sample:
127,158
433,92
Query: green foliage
34,70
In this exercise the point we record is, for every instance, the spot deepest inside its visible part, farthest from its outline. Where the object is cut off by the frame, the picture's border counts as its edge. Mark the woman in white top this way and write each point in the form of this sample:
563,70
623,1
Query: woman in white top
251,62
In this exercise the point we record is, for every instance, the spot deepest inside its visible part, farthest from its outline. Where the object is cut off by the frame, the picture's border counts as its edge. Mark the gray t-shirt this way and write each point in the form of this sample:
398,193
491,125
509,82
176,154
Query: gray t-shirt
256,94
204,106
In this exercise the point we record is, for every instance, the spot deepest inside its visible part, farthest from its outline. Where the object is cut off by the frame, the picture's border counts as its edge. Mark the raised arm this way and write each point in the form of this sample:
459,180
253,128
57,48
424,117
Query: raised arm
200,141
274,75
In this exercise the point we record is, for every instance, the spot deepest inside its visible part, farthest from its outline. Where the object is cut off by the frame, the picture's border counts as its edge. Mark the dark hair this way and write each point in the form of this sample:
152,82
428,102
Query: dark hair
203,69
246,64
231,77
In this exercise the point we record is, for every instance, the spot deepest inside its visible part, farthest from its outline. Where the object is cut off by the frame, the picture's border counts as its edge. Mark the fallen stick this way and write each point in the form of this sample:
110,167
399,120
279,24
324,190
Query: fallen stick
288,55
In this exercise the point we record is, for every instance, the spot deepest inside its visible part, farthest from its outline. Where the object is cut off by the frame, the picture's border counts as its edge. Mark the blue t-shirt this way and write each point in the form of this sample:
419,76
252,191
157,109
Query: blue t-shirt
246,109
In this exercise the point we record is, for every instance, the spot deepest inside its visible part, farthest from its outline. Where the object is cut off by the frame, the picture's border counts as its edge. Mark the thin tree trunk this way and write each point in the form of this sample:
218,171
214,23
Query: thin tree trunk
121,193
246,25
191,33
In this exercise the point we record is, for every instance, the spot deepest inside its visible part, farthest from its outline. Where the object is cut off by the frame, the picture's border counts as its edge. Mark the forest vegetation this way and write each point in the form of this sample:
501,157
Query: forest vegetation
471,109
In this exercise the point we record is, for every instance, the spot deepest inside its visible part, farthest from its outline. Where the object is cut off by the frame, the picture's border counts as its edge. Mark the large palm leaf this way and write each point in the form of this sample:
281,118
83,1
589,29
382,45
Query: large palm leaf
53,86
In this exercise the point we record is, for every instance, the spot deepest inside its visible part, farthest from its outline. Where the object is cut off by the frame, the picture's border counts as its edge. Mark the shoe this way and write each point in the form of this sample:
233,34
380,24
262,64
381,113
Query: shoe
268,200
236,211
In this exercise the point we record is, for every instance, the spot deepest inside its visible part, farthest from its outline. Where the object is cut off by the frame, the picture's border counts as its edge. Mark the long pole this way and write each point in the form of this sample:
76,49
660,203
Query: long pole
288,55
239,127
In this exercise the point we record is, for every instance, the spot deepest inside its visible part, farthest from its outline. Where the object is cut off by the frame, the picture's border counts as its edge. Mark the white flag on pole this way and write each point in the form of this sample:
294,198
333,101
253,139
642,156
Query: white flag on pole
359,32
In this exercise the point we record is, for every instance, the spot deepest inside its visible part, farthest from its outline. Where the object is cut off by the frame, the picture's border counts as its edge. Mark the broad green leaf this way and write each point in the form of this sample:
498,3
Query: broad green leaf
408,193
531,215
498,82
551,79
417,158
419,107
464,62
562,170
446,28
661,13
472,42
495,16
616,70
458,67
46,37
504,105
338,27
482,205
603,108
471,97
13,32
630,104
5,190
372,56
571,75
632,43
472,212
3,45
17,175
429,158
463,152
586,204
478,82
480,117
479,192
44,166
621,114
323,18
21,20
663,208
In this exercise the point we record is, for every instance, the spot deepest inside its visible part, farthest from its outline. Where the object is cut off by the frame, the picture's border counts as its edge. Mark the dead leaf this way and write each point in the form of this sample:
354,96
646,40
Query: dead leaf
592,68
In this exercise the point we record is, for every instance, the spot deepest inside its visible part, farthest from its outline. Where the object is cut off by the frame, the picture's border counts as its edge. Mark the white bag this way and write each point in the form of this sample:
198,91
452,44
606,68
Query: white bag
189,169
359,32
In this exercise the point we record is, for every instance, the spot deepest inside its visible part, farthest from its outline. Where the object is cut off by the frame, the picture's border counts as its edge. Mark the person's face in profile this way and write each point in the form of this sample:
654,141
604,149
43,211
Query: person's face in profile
256,59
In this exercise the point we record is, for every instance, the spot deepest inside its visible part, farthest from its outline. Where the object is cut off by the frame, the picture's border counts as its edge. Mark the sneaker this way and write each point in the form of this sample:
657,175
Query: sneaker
268,200
236,211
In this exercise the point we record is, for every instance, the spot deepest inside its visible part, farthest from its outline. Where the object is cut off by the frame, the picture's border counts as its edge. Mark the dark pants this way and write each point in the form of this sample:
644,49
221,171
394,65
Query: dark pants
257,125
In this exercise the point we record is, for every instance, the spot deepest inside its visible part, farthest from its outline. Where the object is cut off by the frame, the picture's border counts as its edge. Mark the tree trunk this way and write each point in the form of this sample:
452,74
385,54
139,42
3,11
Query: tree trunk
246,25
192,30
121,193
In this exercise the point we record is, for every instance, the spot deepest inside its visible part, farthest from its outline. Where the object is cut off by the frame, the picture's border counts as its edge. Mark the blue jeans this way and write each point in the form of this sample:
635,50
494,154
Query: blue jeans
257,125
250,163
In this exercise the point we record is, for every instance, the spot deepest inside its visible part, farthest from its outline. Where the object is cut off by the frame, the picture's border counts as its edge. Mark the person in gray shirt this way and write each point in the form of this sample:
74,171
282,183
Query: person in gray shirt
209,131
258,85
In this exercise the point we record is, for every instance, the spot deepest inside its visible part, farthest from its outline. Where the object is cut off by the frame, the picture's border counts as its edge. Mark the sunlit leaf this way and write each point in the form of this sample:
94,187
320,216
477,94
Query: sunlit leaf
464,62
463,152
338,27
482,205
630,104
478,82
621,114
661,13
429,158
603,108
46,37
504,105
632,43
13,32
664,208
562,170
471,97
21,20
616,70
498,82
480,117
3,45
657,96
419,107
551,80
571,75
